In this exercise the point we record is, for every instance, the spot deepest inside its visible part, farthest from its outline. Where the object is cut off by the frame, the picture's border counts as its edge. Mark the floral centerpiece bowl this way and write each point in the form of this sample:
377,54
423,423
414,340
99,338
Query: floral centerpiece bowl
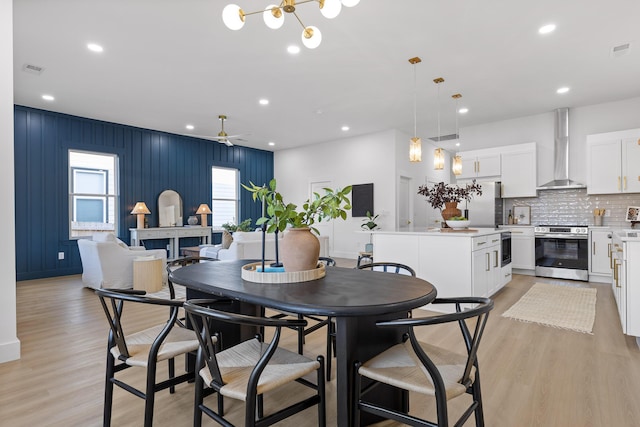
457,223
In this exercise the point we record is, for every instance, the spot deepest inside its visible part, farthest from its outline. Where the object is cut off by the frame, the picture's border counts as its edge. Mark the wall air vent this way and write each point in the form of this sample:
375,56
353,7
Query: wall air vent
620,50
444,137
32,69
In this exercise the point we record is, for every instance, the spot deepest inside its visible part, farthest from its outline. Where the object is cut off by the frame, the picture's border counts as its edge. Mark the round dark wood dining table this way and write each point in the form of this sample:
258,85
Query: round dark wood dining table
355,298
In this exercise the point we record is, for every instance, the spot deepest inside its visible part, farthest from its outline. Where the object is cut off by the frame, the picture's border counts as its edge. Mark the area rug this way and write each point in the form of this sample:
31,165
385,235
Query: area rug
564,307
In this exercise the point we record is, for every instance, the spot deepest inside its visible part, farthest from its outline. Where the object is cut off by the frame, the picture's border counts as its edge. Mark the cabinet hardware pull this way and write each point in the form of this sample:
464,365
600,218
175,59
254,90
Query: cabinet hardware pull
507,275
496,262
610,256
488,262
593,251
625,182
481,243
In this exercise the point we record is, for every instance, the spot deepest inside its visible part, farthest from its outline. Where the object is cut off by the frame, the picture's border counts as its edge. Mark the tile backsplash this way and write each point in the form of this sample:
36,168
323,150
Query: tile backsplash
575,207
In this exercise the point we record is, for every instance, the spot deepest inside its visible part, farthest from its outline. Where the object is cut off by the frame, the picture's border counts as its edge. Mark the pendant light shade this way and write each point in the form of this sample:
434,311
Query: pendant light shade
415,144
233,17
415,150
438,159
330,8
456,166
438,155
350,3
311,37
273,17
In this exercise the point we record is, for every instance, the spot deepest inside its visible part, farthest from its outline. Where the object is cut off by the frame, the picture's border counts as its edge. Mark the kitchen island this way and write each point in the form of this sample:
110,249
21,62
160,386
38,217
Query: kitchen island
459,263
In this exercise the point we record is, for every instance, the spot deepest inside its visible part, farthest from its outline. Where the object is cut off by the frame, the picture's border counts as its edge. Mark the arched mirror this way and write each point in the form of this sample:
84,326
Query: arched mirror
169,209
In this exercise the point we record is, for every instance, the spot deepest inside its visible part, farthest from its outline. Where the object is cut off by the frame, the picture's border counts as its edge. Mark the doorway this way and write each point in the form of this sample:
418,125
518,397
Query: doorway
405,213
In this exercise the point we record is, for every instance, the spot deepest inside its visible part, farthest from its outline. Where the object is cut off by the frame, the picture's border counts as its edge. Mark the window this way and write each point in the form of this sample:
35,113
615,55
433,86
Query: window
92,193
224,200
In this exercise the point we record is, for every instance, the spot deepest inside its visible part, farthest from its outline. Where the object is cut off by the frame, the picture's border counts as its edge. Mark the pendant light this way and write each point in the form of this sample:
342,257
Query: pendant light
438,155
456,165
415,144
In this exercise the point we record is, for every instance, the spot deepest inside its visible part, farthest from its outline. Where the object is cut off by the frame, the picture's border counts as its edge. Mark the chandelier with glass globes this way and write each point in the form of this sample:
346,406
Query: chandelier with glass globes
233,16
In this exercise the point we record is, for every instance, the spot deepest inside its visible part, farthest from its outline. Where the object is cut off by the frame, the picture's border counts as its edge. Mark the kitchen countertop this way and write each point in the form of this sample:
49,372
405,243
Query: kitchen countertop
436,232
628,235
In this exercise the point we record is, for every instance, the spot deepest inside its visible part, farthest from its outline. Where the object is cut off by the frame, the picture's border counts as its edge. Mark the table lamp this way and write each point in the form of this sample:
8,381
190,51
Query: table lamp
141,210
203,210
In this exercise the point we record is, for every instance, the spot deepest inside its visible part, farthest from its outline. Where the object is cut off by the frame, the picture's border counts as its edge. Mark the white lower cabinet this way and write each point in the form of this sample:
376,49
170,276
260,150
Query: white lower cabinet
600,262
523,247
624,283
457,264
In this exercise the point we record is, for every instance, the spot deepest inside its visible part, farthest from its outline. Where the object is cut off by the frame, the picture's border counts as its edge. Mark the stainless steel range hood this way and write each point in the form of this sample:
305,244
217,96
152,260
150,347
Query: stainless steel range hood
561,179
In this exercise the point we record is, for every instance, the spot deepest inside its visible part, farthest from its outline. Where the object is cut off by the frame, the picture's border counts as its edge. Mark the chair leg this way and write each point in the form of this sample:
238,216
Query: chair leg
172,374
477,396
198,400
108,390
300,336
322,405
149,398
355,399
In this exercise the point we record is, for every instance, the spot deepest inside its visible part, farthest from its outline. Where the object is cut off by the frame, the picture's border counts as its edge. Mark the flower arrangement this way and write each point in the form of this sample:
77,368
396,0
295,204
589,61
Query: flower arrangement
442,193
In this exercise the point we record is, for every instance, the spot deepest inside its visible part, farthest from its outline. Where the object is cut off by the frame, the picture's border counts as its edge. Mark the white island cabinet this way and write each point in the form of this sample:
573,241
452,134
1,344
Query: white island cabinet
456,263
626,280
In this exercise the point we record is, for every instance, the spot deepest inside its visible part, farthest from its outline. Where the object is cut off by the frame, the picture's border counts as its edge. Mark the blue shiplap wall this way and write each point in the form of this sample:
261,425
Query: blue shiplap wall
150,162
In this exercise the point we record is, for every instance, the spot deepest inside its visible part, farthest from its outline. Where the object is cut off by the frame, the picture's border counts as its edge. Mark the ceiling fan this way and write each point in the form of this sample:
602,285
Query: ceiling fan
222,136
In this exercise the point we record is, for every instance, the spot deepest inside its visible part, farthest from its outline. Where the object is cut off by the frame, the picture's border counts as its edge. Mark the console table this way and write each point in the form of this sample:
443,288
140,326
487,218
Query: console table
138,235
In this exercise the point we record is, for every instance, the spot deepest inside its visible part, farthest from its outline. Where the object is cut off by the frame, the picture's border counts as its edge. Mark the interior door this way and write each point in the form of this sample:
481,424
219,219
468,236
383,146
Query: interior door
405,213
325,227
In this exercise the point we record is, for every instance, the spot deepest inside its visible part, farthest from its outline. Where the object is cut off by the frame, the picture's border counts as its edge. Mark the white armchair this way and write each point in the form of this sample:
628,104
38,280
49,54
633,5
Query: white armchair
107,262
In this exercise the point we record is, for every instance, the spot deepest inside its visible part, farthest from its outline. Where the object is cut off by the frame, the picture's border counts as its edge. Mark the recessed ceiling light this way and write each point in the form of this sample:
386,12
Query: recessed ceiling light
94,47
48,97
293,49
562,90
463,110
190,127
457,144
272,143
345,128
264,101
546,29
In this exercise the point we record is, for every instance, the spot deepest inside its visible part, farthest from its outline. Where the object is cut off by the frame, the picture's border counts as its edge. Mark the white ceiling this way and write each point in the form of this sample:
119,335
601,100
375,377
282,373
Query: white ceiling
167,63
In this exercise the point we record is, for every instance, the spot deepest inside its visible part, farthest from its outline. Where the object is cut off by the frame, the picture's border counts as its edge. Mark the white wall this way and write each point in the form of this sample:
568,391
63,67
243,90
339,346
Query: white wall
9,343
379,158
583,121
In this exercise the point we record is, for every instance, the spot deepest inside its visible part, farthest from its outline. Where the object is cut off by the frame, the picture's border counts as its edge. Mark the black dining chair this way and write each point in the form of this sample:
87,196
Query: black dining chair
427,369
144,348
250,369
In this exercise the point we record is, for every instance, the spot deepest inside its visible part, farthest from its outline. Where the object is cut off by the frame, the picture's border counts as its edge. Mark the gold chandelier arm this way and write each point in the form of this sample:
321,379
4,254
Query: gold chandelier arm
299,20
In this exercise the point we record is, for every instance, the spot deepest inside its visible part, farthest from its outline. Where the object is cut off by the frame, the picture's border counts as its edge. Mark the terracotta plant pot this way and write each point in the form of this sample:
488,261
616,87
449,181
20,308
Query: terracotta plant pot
450,210
299,250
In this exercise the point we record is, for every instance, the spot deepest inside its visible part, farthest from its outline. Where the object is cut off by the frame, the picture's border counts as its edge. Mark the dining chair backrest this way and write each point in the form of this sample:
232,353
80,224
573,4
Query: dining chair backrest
389,267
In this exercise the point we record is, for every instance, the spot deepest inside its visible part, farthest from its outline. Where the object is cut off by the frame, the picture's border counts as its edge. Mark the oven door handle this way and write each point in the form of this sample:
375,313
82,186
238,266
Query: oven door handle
560,236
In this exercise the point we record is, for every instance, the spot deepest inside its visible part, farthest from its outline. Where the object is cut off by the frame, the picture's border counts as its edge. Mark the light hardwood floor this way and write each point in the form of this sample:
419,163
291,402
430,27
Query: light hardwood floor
531,375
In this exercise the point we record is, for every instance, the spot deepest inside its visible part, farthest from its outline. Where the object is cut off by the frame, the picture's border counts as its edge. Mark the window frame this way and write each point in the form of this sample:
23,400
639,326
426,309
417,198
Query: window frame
111,200
236,200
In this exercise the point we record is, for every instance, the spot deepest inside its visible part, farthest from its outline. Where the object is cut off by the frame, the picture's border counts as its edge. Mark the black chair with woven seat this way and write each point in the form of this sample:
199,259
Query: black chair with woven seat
182,262
143,348
427,369
250,369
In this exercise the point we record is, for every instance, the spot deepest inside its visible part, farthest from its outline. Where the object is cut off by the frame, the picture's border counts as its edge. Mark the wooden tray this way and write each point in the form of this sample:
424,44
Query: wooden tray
250,274
458,230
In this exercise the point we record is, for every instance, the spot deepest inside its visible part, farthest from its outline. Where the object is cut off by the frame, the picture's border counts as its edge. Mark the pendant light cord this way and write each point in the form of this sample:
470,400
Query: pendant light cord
415,97
438,113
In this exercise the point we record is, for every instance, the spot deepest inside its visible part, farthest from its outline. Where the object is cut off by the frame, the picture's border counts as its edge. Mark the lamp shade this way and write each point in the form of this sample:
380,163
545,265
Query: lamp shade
415,150
456,166
203,209
233,17
438,159
311,37
330,8
140,208
273,17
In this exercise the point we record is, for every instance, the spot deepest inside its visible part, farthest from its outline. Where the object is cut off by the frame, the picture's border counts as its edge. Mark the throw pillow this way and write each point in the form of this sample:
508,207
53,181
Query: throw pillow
227,239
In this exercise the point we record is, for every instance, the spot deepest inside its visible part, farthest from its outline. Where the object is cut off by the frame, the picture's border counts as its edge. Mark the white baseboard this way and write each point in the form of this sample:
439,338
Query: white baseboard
10,351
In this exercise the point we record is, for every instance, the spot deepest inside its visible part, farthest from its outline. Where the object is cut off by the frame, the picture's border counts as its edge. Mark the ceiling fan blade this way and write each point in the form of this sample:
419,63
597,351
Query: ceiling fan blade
228,143
210,138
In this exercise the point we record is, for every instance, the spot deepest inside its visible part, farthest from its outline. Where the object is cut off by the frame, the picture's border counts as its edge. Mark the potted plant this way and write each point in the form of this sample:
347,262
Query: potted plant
448,196
300,248
243,226
369,222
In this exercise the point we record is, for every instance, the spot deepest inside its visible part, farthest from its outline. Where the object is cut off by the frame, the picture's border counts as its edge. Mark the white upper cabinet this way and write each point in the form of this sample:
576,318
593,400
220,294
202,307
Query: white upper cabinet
614,162
476,164
519,172
514,165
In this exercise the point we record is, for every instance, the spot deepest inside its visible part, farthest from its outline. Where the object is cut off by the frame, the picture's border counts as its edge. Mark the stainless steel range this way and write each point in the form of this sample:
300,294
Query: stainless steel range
562,251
